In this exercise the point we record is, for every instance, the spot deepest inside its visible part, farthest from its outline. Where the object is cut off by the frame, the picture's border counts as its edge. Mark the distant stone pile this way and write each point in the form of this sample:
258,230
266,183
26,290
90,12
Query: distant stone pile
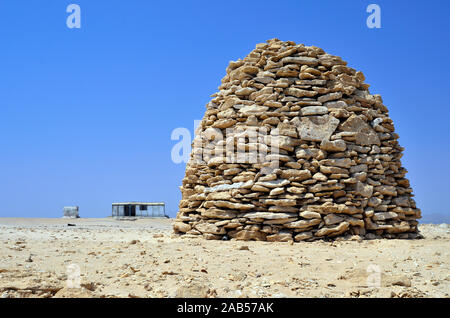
293,147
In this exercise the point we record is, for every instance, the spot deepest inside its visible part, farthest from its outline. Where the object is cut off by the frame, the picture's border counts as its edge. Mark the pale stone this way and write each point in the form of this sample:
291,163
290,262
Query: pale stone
303,236
283,208
296,190
314,110
302,60
274,183
245,91
282,142
224,187
374,202
253,110
302,224
279,221
382,216
333,146
224,123
232,205
297,92
329,207
282,236
278,157
364,190
325,231
231,172
268,215
279,202
304,154
218,213
276,191
310,215
249,69
330,96
319,177
403,201
259,188
317,128
331,219
181,227
365,134
359,168
218,196
387,190
209,228
326,187
335,104
245,235
340,163
295,175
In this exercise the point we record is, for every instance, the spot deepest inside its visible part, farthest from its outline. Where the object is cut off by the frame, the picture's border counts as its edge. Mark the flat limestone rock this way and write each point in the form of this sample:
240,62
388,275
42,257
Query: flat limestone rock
224,123
253,110
317,128
181,227
215,213
280,202
333,146
246,235
282,236
295,174
333,230
302,60
224,187
310,215
365,134
230,205
209,228
382,216
302,224
268,215
303,236
364,190
331,219
274,183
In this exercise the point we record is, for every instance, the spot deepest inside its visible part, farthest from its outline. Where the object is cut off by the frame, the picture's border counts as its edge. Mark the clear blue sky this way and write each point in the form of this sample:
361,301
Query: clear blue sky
86,114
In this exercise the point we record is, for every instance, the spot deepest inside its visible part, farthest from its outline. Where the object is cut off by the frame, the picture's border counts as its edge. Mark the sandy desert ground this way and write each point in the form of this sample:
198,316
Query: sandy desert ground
143,258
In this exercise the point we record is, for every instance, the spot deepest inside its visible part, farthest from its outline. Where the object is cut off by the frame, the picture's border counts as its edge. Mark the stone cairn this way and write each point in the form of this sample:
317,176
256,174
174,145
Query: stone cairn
319,157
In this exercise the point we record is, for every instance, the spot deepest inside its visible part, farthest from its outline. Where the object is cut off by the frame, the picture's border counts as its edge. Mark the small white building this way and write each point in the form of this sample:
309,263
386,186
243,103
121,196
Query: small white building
71,212
139,209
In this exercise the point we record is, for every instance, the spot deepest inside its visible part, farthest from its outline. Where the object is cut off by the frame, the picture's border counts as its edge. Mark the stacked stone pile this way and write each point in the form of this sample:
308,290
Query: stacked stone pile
327,160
